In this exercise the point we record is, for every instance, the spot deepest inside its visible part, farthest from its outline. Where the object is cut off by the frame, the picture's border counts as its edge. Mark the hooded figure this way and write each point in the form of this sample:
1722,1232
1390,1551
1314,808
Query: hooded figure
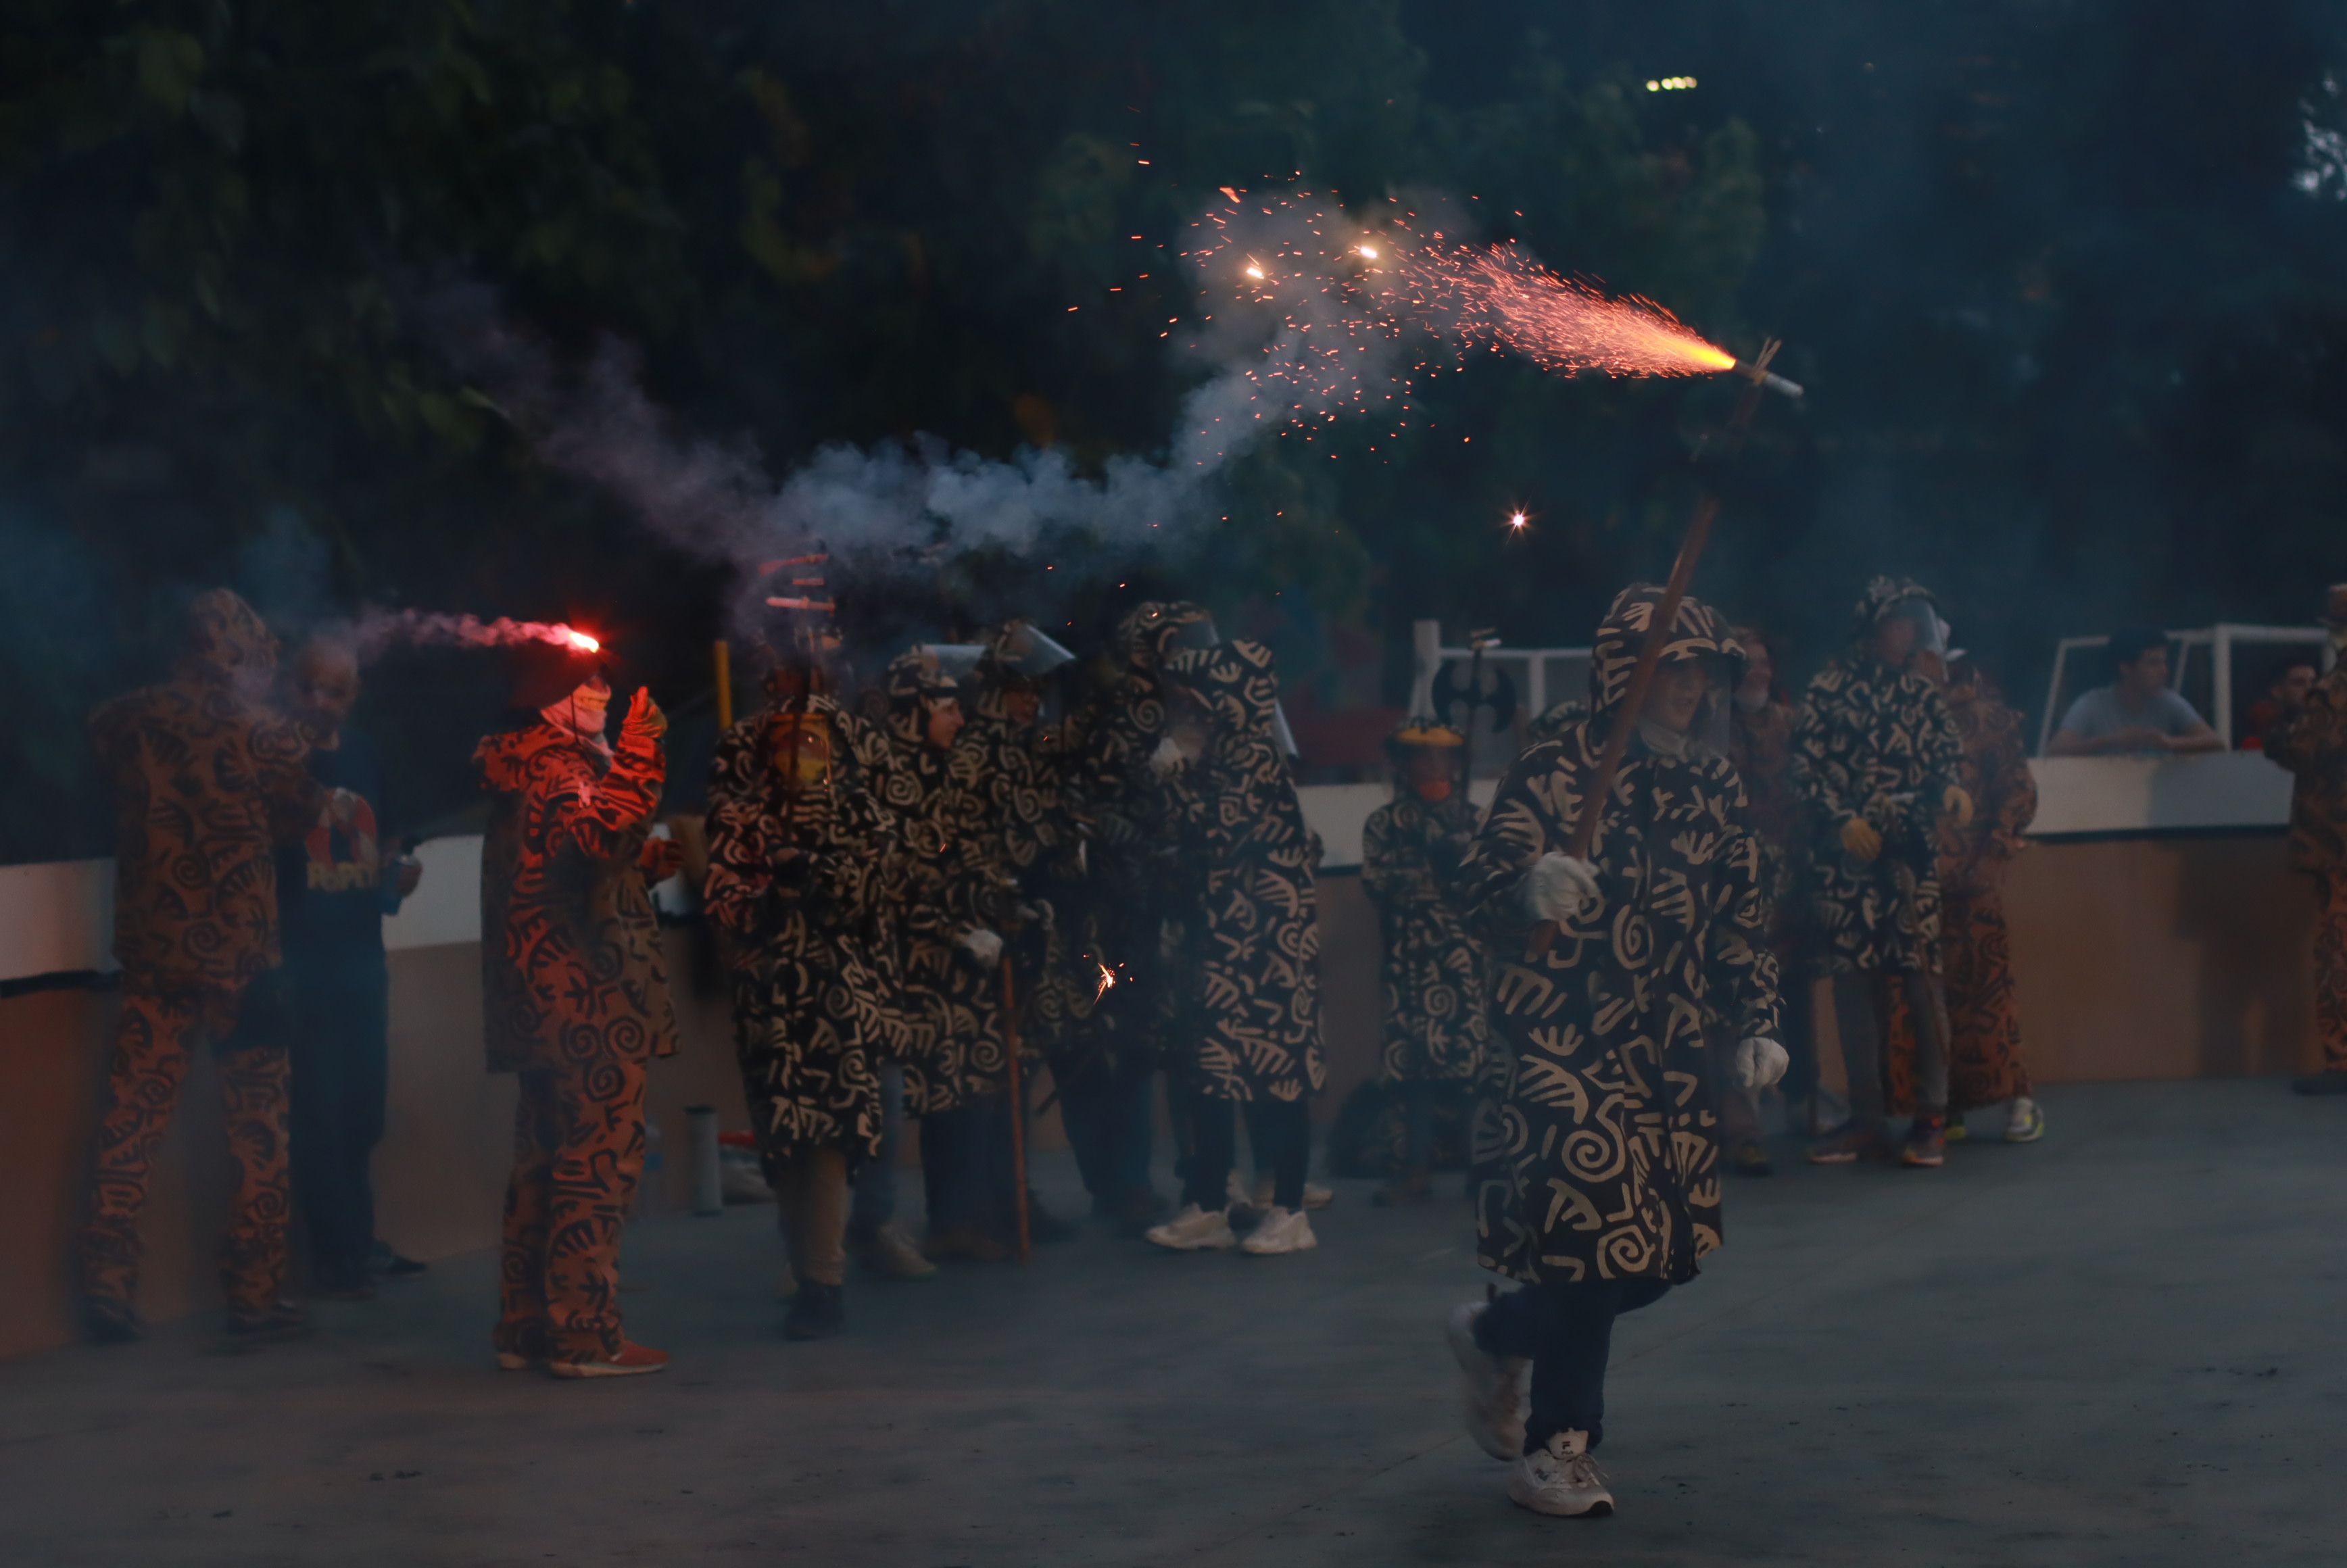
208,781
1877,761
1431,978
2311,743
799,851
1985,1066
951,904
1125,796
1597,1159
1255,1037
1033,839
576,1002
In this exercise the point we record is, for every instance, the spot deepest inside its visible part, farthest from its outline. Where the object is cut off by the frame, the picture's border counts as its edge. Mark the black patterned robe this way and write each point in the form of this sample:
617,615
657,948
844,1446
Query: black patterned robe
1879,743
1138,879
1257,1033
796,876
1431,981
946,887
1598,1155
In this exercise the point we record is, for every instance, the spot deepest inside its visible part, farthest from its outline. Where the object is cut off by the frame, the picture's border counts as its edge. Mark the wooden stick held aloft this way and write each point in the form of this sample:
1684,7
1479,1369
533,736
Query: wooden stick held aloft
1650,654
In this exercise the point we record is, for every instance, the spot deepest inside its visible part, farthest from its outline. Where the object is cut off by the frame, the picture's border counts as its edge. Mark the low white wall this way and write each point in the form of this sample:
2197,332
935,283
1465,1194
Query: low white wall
57,918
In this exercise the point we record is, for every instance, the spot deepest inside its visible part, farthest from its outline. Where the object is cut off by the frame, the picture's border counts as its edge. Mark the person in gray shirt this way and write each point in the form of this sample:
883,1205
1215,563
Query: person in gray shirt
2138,712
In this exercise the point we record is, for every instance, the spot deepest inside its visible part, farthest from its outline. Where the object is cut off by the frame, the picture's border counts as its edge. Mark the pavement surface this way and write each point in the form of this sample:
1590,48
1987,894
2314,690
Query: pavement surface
2122,1345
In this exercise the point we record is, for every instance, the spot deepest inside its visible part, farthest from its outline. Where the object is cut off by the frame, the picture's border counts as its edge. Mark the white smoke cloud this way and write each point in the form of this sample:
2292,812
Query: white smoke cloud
885,510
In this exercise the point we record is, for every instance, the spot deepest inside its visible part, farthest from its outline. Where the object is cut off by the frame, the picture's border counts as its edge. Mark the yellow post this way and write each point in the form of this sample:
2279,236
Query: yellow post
720,653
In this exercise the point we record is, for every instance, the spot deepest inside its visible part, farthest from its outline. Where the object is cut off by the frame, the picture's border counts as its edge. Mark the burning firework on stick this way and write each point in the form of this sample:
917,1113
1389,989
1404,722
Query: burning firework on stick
377,630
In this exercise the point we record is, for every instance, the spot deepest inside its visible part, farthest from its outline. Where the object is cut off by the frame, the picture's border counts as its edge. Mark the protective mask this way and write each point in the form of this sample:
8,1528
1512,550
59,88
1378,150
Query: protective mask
1750,702
801,750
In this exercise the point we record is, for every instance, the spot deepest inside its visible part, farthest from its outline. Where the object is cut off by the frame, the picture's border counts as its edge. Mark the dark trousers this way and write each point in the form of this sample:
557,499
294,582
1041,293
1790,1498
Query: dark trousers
339,1022
966,1163
1282,1135
1106,1108
1566,1331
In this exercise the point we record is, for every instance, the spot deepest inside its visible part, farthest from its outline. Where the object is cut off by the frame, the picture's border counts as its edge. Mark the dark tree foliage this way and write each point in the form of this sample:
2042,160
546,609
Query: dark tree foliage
2058,276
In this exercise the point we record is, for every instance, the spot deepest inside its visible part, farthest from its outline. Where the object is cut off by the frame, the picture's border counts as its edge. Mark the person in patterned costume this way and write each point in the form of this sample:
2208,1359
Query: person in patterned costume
207,781
1984,1058
1033,846
1119,787
1877,760
576,1001
1254,1036
950,909
1597,1160
799,854
1760,745
2311,743
1430,980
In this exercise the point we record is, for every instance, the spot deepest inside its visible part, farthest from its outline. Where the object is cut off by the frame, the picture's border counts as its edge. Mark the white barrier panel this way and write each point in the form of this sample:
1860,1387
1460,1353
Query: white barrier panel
56,918
446,904
2218,789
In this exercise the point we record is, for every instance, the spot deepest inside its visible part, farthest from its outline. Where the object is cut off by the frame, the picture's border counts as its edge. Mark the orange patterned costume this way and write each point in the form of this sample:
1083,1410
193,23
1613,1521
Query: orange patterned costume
2311,743
578,1003
1984,1058
206,782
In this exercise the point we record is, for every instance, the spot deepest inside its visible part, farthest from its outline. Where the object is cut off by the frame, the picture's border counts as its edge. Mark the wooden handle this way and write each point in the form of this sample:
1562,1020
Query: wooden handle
1650,656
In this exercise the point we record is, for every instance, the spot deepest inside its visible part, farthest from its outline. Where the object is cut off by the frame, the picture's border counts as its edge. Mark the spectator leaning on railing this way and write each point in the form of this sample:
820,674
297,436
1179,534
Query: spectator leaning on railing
2138,712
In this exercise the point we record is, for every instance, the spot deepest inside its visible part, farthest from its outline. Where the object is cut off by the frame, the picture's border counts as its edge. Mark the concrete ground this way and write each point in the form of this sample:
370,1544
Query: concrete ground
2120,1346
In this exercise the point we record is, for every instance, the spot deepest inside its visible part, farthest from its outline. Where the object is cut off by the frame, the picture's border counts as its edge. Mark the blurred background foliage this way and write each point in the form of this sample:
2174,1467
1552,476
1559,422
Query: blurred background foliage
2062,279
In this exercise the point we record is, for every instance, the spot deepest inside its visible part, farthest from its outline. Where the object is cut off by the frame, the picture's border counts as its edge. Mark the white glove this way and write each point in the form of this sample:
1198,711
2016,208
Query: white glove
1558,887
1759,1062
984,945
1169,757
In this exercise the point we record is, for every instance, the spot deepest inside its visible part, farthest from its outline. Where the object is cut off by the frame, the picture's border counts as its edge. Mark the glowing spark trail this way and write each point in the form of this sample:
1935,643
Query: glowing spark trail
1355,306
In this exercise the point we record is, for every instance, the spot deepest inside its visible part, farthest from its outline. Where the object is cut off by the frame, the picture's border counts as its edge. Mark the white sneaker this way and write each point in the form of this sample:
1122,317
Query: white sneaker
1497,1396
1561,1480
2027,1122
1195,1230
1315,1195
1282,1230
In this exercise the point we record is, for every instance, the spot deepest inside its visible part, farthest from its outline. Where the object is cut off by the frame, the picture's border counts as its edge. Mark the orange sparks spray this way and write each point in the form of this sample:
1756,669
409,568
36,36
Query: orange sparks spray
1372,310
1561,325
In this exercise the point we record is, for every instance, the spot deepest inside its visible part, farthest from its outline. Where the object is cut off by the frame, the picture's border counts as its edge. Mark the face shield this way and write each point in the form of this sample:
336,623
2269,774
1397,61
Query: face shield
798,750
1029,653
1908,629
1686,708
1198,633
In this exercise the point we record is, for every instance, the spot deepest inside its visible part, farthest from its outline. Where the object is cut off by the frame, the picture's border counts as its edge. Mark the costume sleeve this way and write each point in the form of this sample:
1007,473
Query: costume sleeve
281,762
1239,809
1939,744
1743,964
595,815
1814,773
1522,826
1385,875
2013,789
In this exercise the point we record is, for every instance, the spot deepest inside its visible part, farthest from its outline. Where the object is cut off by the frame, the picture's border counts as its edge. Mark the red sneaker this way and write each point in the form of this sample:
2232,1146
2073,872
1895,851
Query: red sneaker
632,1361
